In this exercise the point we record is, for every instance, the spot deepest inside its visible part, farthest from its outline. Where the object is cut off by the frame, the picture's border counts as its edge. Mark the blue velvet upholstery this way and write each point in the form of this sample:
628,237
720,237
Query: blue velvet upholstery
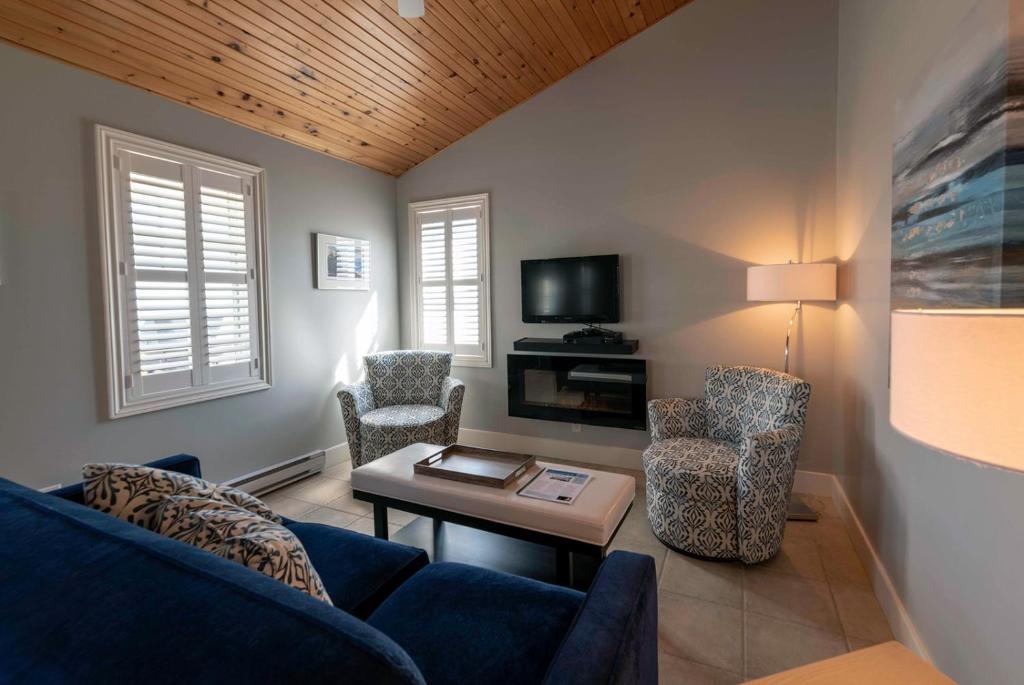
464,624
615,636
88,598
358,571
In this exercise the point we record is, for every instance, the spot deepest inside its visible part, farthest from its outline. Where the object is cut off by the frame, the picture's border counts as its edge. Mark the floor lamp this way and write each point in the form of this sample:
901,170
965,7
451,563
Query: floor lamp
957,382
796,283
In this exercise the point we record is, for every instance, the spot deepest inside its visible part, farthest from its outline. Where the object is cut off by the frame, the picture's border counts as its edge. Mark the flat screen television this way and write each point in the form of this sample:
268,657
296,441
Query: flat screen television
571,290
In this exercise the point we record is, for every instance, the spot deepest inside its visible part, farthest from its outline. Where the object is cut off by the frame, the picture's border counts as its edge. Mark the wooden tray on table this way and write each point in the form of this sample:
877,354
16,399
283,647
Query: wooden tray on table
476,465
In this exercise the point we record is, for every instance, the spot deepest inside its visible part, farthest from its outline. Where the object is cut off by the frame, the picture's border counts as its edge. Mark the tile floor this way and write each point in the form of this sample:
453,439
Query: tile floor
718,622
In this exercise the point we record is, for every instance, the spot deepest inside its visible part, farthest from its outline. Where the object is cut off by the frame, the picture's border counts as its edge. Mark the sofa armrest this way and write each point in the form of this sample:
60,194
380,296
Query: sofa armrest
614,638
677,418
764,482
180,463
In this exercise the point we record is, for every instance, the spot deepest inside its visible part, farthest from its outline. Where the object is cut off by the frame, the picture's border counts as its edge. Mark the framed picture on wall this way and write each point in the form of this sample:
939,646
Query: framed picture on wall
342,263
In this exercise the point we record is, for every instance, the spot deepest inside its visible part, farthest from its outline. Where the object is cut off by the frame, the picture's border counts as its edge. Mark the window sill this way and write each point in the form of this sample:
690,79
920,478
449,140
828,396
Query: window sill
472,362
180,399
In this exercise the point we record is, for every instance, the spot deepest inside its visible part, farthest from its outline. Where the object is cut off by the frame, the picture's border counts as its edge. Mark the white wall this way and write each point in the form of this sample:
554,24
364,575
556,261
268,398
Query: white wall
702,146
948,532
52,406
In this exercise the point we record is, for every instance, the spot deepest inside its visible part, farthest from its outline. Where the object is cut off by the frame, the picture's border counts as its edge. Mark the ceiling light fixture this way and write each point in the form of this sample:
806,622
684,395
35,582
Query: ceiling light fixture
410,9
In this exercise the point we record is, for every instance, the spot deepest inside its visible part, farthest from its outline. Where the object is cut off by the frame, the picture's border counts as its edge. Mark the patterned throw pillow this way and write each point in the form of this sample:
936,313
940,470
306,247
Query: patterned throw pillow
240,536
134,493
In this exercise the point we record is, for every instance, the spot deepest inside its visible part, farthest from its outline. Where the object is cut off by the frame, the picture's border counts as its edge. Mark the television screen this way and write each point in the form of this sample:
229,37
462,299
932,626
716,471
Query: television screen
571,290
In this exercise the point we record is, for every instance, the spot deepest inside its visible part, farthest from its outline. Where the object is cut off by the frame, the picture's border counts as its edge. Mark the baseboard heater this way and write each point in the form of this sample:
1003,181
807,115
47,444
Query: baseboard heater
278,475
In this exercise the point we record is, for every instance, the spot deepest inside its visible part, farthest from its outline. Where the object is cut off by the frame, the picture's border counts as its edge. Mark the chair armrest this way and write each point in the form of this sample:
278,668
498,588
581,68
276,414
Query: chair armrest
356,399
452,392
775,450
677,418
614,637
764,482
180,463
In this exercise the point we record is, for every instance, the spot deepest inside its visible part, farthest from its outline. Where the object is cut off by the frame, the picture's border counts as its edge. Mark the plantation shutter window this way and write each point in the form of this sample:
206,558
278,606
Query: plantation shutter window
451,280
225,209
184,252
160,332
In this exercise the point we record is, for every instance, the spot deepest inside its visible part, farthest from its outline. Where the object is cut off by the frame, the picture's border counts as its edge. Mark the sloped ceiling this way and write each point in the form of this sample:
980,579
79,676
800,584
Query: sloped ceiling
349,78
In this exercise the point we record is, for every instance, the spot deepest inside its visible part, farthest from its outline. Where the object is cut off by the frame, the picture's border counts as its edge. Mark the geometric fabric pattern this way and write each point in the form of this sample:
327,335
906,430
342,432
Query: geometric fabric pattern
243,537
407,376
720,469
135,493
407,397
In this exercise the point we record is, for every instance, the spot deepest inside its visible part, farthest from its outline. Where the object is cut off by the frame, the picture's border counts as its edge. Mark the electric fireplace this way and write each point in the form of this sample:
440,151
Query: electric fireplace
594,390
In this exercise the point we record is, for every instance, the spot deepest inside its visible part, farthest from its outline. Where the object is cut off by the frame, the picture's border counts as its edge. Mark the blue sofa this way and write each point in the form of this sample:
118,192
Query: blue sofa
86,597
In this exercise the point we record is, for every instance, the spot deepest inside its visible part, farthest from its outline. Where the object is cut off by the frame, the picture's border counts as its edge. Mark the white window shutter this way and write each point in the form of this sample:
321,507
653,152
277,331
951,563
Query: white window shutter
228,294
160,339
433,279
464,231
183,245
451,278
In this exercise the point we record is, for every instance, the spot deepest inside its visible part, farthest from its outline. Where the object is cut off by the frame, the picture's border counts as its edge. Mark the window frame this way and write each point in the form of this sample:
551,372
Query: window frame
114,244
484,360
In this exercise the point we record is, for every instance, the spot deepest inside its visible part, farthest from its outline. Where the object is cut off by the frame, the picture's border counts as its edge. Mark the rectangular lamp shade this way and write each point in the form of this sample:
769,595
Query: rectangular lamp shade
958,382
791,282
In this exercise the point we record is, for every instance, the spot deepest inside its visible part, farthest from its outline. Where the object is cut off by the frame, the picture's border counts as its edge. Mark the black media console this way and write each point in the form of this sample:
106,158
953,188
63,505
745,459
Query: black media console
581,346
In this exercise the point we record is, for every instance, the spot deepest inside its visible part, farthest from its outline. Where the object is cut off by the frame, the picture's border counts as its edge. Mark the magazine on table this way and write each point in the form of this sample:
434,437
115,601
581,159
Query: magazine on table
556,485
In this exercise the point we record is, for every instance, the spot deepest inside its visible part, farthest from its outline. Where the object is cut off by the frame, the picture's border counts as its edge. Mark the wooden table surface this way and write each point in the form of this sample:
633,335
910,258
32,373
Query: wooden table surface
889,663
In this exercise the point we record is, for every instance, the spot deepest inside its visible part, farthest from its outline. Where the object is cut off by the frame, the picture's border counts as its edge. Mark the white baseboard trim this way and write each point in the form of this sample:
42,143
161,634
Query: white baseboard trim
336,455
813,483
282,473
333,456
895,611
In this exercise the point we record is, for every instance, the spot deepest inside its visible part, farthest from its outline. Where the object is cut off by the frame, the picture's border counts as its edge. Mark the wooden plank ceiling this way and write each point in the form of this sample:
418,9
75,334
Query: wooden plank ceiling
349,78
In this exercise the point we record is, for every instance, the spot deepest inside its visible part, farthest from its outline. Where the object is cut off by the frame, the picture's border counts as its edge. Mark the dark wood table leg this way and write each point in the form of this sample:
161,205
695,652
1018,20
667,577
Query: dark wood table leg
380,521
563,566
436,539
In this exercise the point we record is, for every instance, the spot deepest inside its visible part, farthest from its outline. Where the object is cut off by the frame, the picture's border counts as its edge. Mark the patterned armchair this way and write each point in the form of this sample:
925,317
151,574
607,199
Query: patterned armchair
407,397
720,469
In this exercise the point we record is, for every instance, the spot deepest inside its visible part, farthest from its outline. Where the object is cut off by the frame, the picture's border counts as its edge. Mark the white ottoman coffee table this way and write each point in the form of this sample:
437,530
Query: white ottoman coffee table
585,527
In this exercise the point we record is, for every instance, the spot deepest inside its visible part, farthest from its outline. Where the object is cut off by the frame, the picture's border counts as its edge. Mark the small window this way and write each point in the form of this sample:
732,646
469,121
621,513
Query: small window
185,258
451,278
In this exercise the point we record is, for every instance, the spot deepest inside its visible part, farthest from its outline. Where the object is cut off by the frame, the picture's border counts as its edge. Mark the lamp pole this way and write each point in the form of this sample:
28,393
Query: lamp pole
789,332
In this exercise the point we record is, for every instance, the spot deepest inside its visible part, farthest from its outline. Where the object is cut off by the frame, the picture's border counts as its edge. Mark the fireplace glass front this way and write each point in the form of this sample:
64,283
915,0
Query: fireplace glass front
592,390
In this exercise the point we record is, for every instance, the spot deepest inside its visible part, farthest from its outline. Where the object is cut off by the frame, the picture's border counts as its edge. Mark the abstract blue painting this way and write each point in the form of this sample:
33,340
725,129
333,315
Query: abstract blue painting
958,171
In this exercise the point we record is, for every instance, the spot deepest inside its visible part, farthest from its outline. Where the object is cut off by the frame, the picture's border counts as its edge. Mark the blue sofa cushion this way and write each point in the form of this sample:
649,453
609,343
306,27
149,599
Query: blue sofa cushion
88,598
357,570
464,624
